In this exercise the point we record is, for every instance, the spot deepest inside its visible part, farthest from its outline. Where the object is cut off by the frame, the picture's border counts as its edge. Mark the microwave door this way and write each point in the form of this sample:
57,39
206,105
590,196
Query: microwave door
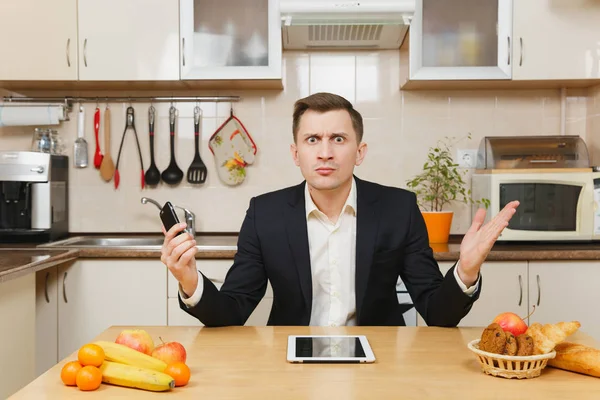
544,207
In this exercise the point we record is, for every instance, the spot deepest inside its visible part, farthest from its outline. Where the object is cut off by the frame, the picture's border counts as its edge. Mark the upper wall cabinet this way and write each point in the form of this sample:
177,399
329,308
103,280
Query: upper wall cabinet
133,40
461,40
557,39
39,40
230,40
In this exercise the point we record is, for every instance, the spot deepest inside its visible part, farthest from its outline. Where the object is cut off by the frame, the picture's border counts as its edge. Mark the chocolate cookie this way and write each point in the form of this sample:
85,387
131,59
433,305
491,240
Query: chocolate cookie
493,339
525,345
511,345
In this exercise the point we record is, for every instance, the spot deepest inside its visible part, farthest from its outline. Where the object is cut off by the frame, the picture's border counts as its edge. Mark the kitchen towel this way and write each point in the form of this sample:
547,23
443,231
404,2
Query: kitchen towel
27,115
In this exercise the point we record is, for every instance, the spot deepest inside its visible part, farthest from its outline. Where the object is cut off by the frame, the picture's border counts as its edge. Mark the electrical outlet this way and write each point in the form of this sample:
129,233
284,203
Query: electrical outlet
466,158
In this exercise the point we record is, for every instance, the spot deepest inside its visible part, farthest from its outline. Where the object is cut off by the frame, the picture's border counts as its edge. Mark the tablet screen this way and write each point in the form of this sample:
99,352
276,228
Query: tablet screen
329,347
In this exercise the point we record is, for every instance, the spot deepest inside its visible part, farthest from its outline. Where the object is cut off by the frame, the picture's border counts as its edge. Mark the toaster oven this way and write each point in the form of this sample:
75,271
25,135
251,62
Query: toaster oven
550,176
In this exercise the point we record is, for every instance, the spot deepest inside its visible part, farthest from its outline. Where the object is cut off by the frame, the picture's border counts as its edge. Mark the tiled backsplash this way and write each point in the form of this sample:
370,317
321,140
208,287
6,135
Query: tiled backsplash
399,128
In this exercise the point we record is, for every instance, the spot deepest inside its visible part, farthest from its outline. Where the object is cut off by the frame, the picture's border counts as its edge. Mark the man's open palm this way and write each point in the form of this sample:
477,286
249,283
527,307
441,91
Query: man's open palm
478,240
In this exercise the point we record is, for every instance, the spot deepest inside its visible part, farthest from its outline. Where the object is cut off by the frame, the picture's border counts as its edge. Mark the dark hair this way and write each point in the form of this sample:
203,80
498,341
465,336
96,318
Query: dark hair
323,102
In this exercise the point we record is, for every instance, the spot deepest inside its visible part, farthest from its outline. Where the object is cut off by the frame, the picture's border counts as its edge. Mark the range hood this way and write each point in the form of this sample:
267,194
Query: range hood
331,24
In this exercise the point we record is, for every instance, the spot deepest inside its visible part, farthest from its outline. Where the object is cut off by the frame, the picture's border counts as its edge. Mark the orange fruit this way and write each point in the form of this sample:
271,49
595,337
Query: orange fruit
91,354
180,372
89,378
69,371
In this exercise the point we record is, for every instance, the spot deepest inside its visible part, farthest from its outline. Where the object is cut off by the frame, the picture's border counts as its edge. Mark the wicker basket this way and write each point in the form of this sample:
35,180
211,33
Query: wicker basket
520,367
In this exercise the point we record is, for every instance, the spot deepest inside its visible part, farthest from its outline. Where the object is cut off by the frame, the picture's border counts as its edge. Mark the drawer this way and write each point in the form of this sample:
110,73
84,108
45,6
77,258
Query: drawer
178,317
215,270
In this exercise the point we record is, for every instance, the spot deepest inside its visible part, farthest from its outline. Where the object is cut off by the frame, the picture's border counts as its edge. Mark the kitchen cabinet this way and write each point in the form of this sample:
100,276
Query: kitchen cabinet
566,291
230,40
215,270
504,289
95,294
178,317
46,319
556,40
39,40
133,40
17,334
466,40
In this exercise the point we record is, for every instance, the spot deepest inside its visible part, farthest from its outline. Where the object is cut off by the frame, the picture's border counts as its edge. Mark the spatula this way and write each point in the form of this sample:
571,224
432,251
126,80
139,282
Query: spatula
197,171
107,168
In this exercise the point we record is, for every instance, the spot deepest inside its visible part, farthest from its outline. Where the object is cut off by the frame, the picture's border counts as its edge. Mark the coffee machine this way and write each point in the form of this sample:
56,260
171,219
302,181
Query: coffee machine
34,196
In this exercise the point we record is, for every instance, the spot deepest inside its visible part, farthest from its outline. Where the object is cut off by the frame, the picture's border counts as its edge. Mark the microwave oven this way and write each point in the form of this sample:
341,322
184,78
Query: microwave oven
555,204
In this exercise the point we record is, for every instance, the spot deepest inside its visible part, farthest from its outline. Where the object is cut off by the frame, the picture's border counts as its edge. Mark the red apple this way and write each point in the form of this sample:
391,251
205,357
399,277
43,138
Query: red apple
137,339
511,322
170,352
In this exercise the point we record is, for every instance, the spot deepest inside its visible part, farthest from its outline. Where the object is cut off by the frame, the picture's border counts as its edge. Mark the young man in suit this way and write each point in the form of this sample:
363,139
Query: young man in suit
333,246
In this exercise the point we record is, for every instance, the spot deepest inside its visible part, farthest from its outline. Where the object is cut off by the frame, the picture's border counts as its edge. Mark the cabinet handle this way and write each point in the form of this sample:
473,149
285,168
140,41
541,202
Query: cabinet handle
539,289
46,287
64,288
521,53
68,47
521,290
183,50
85,52
508,38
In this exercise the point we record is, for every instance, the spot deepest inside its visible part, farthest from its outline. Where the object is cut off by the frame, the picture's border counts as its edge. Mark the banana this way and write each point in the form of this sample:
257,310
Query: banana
125,355
135,377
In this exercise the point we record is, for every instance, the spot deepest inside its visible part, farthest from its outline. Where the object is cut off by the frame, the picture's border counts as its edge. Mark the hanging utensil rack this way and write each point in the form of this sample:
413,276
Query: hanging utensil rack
67,102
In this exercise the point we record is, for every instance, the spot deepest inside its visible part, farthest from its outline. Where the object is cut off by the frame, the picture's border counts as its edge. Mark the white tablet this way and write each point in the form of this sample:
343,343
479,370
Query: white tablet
329,349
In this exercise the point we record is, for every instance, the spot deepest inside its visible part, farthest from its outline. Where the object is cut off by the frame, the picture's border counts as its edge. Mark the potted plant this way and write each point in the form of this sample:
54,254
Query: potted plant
439,184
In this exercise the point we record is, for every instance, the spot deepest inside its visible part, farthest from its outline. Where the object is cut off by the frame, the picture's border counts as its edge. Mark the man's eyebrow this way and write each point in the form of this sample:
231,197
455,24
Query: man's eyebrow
308,134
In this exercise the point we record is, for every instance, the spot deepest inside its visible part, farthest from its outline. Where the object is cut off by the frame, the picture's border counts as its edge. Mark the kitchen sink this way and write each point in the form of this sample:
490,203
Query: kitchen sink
140,242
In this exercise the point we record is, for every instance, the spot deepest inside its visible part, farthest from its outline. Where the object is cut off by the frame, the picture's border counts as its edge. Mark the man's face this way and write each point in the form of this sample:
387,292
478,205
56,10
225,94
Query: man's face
327,149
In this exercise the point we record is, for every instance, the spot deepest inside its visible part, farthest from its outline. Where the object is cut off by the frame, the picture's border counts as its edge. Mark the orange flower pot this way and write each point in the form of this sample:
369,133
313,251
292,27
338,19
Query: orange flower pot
438,225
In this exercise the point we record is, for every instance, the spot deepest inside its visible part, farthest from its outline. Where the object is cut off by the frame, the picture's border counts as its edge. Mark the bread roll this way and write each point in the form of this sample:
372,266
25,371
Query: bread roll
545,337
577,358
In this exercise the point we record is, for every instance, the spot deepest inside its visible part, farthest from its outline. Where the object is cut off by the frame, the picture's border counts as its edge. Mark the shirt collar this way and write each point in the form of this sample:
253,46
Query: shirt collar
350,201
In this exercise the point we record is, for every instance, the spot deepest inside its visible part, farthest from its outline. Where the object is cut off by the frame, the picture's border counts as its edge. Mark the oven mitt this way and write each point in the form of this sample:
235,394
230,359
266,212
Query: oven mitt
233,150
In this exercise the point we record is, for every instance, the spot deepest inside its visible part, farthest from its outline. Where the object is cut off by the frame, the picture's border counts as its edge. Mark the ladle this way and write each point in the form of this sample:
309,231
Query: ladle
173,174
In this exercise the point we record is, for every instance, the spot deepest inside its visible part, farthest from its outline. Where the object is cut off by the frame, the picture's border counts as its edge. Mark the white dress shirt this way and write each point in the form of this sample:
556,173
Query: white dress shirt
332,248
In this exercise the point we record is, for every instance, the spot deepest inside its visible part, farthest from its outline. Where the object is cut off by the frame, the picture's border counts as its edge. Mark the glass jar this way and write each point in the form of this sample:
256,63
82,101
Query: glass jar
41,140
57,145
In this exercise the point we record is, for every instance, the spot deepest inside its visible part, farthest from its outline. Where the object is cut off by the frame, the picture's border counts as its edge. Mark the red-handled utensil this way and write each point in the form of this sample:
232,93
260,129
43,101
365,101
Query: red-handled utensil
98,154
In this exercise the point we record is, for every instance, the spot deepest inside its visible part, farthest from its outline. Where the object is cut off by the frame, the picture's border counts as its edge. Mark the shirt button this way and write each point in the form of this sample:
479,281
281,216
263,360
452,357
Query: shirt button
333,324
334,261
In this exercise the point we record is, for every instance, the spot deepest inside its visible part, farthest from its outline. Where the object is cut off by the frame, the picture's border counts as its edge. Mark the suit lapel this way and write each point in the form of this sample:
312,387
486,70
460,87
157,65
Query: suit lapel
367,224
298,240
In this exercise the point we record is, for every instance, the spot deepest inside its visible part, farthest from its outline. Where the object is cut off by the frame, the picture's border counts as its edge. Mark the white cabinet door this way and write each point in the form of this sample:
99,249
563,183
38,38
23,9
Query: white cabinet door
17,334
466,40
215,270
46,320
95,294
39,40
504,289
556,40
178,317
133,40
230,39
566,291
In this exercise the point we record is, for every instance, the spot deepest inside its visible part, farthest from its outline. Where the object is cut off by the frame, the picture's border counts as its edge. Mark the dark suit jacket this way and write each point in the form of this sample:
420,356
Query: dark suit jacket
391,241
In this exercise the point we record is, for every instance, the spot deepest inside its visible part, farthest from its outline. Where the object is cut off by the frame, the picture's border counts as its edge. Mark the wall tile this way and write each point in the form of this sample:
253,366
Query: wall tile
400,126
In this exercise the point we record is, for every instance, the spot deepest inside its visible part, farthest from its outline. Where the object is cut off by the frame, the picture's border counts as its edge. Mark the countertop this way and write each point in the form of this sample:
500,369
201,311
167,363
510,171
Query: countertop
250,363
16,260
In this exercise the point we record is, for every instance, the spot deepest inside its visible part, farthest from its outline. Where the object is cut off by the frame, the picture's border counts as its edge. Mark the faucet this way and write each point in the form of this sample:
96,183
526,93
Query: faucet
190,217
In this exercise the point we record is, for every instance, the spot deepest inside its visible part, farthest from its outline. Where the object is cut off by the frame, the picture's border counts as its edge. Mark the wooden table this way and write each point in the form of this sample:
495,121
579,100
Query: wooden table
412,362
